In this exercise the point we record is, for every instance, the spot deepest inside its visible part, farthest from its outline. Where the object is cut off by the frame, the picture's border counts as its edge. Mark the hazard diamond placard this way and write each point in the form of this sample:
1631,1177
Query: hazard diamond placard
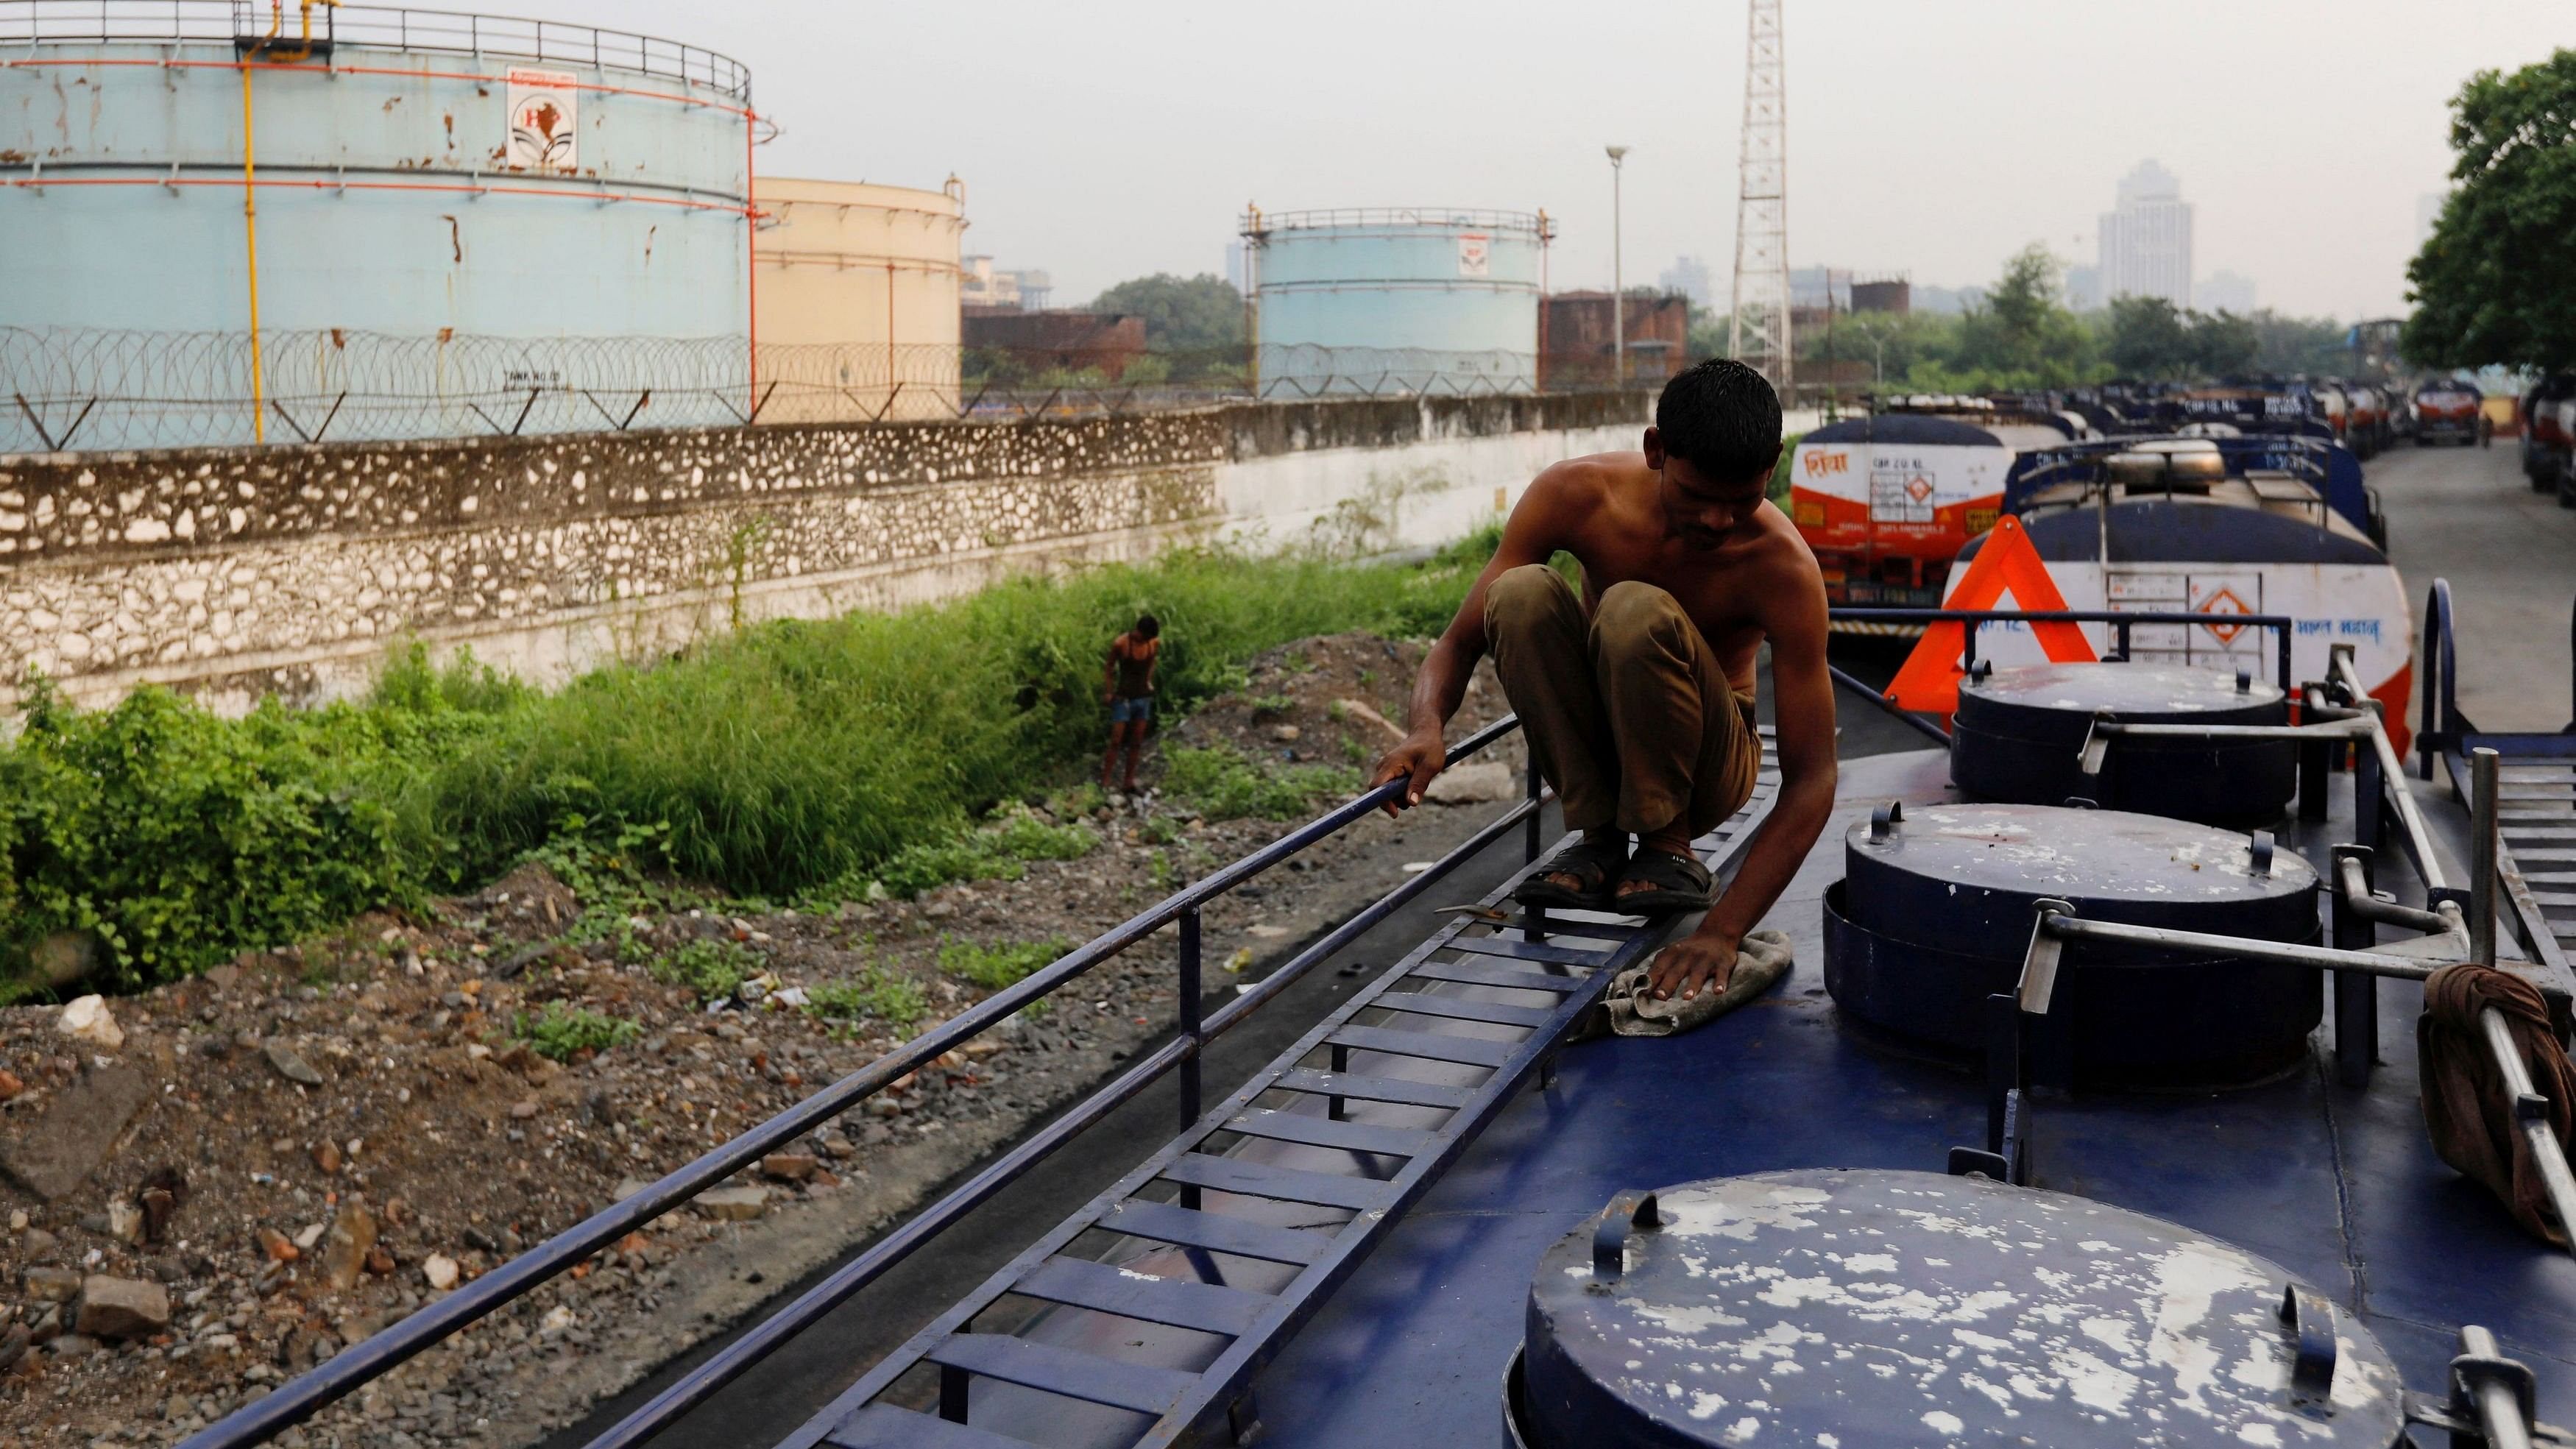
2007,564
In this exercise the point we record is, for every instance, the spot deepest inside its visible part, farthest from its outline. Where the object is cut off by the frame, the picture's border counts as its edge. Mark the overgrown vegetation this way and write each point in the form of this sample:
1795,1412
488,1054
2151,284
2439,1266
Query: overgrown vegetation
1220,782
713,970
890,997
563,1030
994,967
786,759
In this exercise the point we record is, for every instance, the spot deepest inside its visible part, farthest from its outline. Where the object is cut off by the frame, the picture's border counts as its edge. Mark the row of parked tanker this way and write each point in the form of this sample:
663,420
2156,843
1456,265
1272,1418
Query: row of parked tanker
2216,501
2548,431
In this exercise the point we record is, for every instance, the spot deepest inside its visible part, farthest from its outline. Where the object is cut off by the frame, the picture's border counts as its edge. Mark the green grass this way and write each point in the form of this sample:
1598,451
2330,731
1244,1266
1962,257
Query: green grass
560,1031
712,969
994,967
1223,783
789,759
896,1000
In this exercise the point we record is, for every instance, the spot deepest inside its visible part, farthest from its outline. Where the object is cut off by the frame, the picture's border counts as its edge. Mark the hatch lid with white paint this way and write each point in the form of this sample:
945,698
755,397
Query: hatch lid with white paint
1873,1308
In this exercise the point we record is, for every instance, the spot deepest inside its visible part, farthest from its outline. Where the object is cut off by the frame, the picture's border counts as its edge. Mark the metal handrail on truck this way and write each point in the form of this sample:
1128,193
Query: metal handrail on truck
382,1352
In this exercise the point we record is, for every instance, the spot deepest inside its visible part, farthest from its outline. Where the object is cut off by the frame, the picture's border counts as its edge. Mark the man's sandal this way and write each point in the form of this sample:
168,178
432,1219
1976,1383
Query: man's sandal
1596,863
1673,883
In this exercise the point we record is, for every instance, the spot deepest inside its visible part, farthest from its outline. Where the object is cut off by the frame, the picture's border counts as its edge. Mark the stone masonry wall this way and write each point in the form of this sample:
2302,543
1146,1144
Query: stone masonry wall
242,572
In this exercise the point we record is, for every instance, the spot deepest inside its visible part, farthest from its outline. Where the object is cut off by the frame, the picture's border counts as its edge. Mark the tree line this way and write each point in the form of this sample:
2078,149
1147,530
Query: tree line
2020,334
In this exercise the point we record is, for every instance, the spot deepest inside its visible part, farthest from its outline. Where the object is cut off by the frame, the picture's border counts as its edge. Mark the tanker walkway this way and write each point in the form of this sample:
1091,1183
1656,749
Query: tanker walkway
2339,1186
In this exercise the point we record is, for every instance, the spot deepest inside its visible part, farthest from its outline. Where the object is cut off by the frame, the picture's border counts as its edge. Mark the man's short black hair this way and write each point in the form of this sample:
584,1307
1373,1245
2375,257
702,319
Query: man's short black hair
1148,627
1722,418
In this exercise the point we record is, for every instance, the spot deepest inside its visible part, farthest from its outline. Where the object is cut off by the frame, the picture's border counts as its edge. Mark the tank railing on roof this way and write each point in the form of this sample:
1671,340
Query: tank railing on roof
227,22
1276,221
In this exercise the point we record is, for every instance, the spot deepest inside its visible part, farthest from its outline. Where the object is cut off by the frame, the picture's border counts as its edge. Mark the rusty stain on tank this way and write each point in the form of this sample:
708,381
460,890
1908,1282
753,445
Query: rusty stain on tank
455,237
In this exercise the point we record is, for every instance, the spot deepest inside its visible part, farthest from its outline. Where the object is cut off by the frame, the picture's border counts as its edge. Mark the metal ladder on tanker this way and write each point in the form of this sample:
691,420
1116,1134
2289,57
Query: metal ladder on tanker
1267,1203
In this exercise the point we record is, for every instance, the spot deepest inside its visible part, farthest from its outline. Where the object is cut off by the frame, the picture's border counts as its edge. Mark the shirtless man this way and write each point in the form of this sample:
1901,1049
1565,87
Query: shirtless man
1127,687
1638,698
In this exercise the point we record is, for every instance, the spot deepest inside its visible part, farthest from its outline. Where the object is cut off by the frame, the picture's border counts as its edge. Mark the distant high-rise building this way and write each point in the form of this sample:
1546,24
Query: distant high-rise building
2146,238
2225,292
1688,276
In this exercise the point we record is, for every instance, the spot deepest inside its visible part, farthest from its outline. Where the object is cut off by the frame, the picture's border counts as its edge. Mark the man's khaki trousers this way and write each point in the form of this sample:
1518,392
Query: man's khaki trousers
1627,714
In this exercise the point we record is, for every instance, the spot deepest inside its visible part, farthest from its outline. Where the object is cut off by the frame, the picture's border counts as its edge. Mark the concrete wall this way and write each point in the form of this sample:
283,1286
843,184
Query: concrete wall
241,572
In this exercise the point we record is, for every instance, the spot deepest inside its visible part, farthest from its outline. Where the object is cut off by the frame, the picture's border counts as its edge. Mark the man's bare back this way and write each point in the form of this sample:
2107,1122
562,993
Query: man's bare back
1687,528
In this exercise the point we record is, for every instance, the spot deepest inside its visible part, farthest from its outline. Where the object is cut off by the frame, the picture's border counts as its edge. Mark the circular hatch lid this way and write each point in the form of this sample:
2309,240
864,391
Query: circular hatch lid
1877,1308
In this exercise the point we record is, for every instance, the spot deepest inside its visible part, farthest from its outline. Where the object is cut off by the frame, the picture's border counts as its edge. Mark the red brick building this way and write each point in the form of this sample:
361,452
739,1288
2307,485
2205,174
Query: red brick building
1575,347
1103,342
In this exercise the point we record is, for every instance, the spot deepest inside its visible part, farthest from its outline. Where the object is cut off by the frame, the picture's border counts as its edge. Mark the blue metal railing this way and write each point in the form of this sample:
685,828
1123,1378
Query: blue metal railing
373,1357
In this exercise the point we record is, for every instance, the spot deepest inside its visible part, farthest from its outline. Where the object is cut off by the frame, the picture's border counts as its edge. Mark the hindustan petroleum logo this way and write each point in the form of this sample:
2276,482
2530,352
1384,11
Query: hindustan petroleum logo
545,120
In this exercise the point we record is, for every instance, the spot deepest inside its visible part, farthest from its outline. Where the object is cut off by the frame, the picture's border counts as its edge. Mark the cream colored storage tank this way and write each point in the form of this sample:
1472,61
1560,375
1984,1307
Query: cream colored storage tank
856,299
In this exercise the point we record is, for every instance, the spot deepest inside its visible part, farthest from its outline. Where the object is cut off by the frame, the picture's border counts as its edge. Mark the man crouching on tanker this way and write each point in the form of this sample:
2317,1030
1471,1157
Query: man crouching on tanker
1638,697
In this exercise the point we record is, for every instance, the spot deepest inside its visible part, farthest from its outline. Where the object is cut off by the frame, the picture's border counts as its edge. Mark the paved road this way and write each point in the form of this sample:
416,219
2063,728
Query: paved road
2465,514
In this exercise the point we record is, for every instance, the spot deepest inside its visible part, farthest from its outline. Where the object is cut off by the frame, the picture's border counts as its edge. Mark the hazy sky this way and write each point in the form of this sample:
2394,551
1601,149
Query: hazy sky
1120,137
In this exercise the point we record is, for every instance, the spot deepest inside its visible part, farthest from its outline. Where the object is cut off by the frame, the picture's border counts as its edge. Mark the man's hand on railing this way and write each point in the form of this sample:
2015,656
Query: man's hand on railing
1416,761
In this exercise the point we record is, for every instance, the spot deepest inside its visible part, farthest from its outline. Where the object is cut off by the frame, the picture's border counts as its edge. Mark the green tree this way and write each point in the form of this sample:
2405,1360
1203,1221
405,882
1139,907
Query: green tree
2019,336
2496,281
1201,314
2298,344
2150,338
1708,334
2223,344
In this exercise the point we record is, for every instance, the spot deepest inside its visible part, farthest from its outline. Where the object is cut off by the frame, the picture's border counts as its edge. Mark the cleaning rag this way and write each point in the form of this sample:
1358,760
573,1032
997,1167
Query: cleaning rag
1760,962
2465,1107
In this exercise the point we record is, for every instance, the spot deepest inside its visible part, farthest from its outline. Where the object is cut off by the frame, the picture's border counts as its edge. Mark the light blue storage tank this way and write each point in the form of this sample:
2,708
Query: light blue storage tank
1397,300
464,225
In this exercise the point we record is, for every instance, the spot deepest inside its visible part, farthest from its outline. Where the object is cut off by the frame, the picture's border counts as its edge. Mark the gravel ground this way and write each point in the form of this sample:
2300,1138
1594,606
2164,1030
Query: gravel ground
247,1172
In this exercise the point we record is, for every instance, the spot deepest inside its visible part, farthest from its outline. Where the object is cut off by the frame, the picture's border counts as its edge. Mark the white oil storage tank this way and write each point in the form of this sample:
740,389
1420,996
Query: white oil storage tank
1396,300
433,224
858,300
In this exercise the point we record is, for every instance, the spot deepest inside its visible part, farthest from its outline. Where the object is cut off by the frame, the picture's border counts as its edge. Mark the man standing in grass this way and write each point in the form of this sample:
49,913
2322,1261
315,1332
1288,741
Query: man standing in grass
1127,687
1638,697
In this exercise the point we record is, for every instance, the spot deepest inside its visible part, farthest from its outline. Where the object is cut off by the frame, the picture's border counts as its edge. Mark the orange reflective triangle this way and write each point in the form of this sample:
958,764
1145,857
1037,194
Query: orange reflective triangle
2009,563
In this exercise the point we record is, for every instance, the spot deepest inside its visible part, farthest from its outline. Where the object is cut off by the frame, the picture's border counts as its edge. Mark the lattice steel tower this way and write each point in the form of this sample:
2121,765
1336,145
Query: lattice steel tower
1758,333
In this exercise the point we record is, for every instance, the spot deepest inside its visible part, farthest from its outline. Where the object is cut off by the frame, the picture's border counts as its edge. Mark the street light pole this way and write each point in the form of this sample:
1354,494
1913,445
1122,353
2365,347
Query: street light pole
1618,283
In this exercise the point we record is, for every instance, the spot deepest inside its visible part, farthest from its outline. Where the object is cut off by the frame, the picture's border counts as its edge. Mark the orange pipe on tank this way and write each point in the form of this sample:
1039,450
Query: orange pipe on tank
250,254
337,185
